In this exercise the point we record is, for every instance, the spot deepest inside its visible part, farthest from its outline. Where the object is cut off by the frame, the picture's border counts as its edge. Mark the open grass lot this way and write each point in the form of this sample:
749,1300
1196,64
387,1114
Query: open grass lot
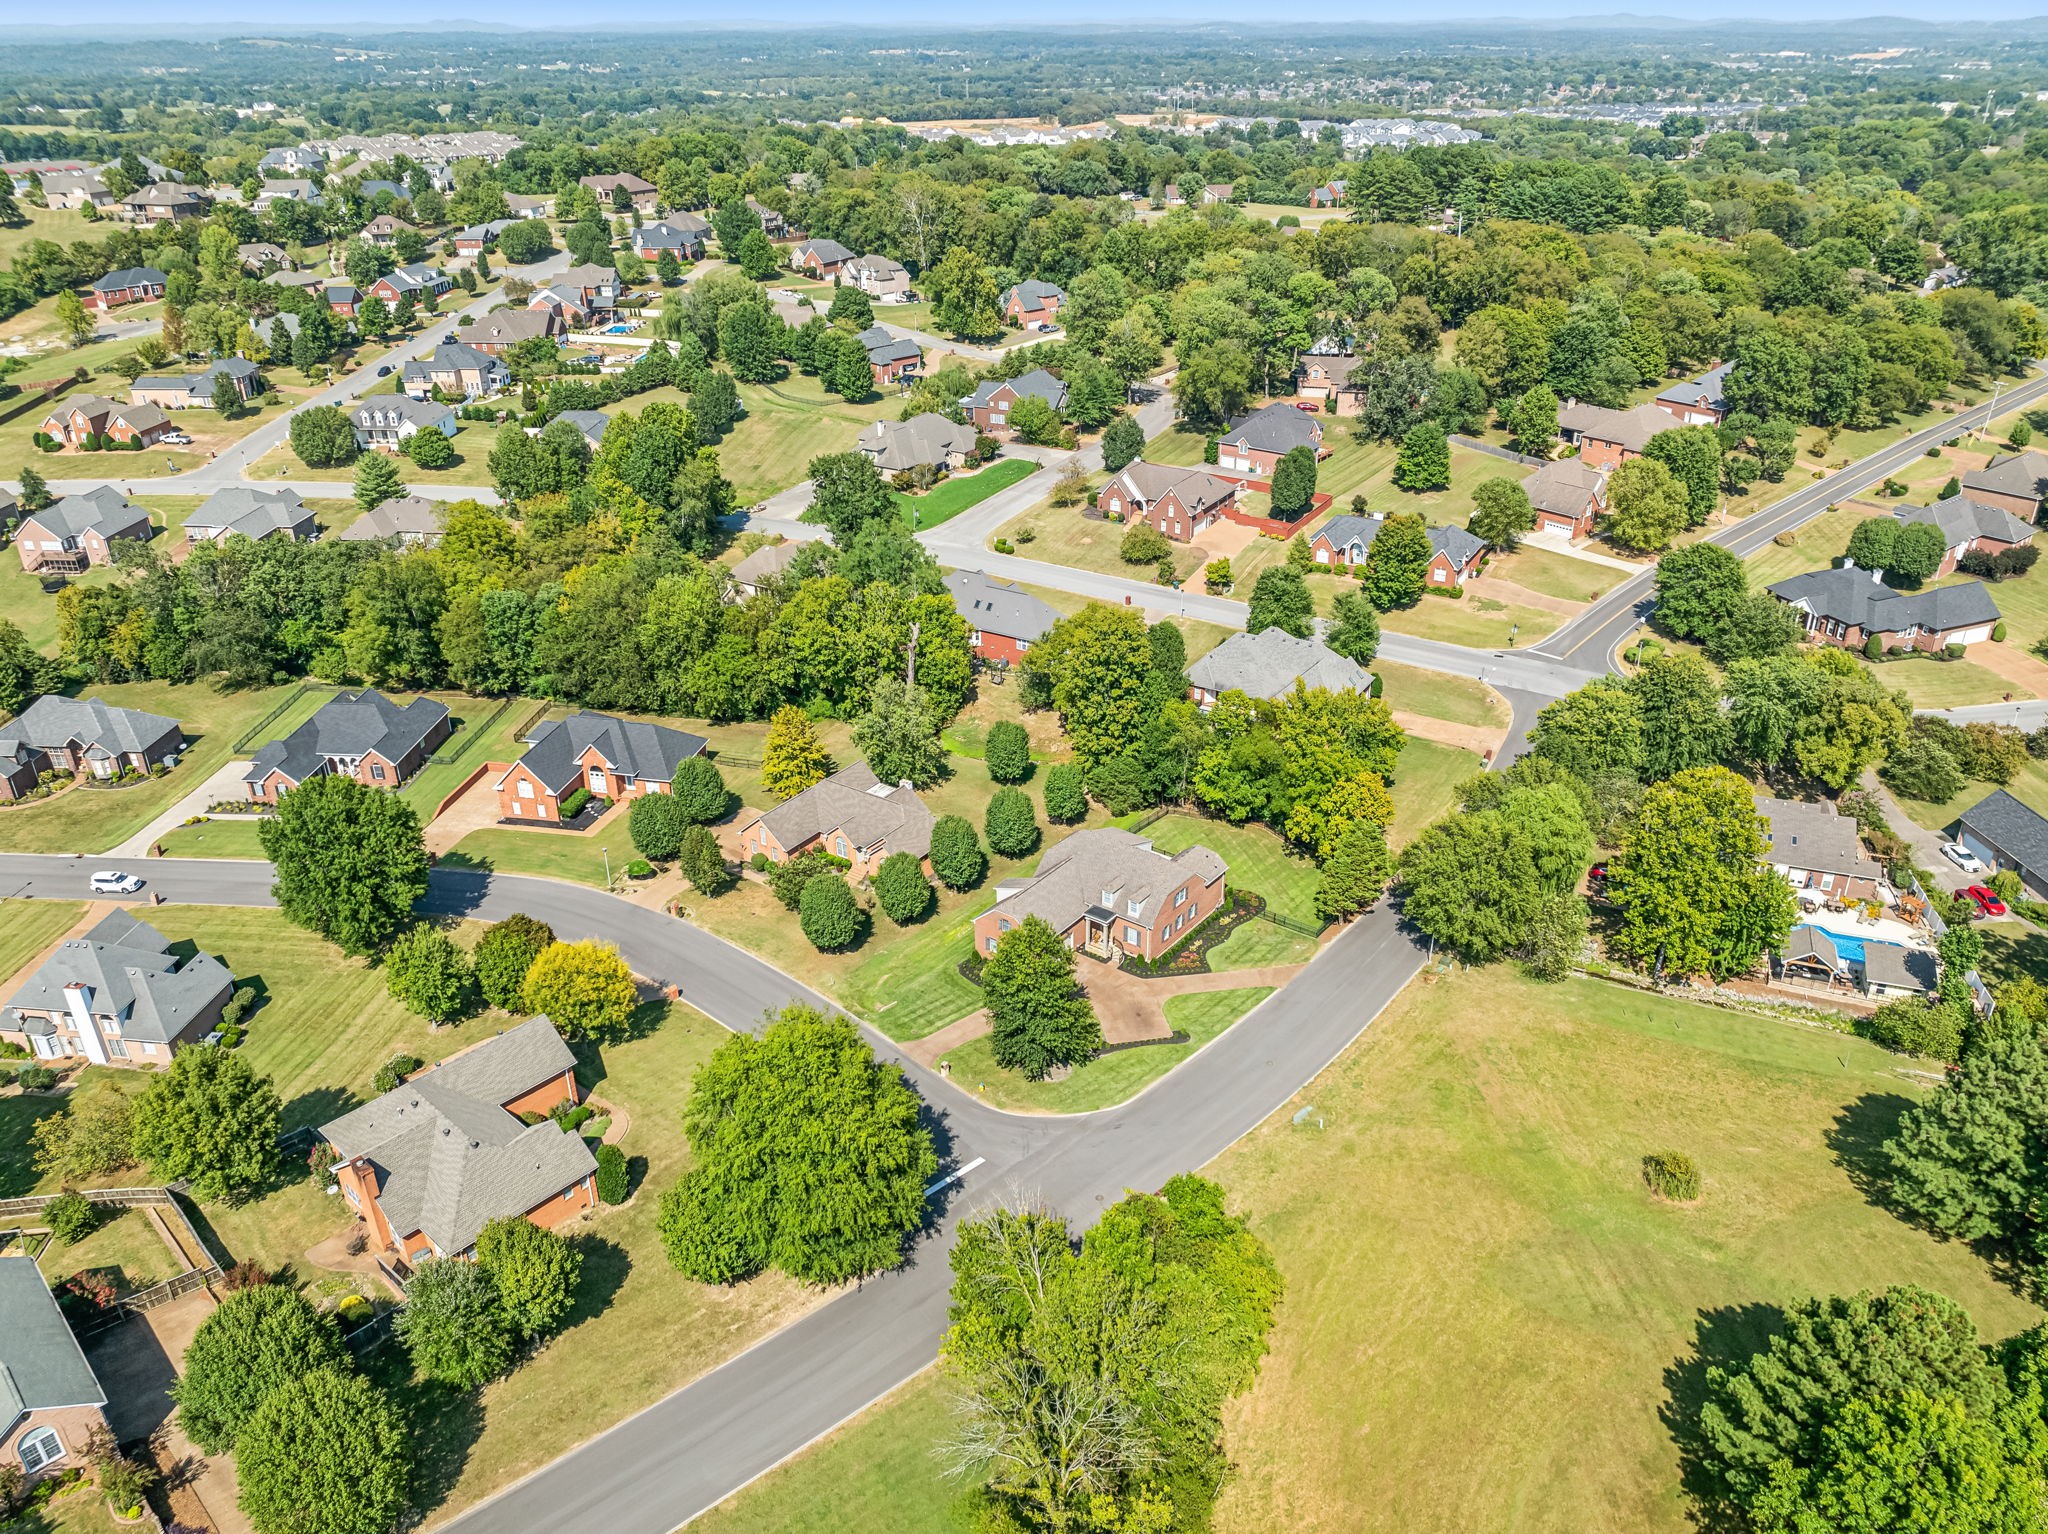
1357,467
126,1245
472,442
1555,574
1063,535
1944,683
33,610
1424,785
27,927
576,856
60,224
93,819
486,730
1471,1259
784,427
960,491
1814,547
212,839
1439,695
1109,1079
1476,619
2022,600
1259,861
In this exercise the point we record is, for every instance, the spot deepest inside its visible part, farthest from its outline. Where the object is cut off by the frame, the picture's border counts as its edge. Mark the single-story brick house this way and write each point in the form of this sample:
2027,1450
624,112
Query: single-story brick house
54,1404
2008,835
754,572
433,1161
893,446
820,258
1109,893
891,359
2014,481
504,328
251,512
1566,496
365,735
1269,664
1254,444
613,758
1609,438
640,193
1347,539
1817,848
194,391
1968,525
1032,302
877,276
1180,502
117,996
852,814
418,279
681,234
1845,606
989,406
384,421
81,735
79,531
1003,619
1701,401
1329,195
343,299
92,415
130,285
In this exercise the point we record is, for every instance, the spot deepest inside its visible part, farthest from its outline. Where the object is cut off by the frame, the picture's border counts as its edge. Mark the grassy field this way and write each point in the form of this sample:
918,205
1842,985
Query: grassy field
1471,1259
27,927
1555,574
1941,683
127,1247
1425,784
784,427
1477,620
961,491
1108,1079
212,839
2022,600
910,986
472,442
93,819
1259,861
485,731
2030,788
60,224
1814,547
1439,695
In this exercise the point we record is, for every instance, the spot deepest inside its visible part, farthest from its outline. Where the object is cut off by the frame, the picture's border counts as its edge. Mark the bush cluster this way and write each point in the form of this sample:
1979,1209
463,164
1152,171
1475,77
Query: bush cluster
1672,1175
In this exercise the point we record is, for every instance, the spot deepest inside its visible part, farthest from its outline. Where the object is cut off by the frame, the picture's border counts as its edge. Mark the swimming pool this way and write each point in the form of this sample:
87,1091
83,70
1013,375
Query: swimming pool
618,330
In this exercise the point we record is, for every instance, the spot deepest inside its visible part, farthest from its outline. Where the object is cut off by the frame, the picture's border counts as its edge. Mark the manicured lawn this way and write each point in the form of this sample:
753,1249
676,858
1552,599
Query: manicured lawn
1555,574
577,856
60,224
1108,1079
784,427
961,491
1476,620
1814,547
27,927
1425,785
93,819
1471,1259
208,431
1063,535
213,839
1942,683
911,986
486,730
2030,788
1438,695
127,1244
29,608
2022,600
1259,861
472,442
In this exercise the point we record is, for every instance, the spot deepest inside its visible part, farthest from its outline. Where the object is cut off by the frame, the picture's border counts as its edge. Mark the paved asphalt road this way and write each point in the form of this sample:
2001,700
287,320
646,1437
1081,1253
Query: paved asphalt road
1588,641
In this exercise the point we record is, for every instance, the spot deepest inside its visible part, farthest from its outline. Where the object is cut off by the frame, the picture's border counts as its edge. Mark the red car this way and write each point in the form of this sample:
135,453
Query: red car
1988,904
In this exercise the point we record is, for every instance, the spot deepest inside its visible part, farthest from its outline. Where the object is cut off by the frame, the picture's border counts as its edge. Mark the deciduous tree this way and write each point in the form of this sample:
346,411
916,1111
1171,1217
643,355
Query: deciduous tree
792,758
505,953
428,974
209,1120
452,1324
251,1343
584,988
326,1453
349,861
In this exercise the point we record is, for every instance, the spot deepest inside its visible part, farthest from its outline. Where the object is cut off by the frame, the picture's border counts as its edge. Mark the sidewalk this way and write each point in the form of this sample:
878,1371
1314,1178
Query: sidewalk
225,783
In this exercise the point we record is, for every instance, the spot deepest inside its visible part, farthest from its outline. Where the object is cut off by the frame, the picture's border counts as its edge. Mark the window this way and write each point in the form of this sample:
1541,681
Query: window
990,945
39,1447
839,846
376,772
525,789
1131,907
1180,897
1130,934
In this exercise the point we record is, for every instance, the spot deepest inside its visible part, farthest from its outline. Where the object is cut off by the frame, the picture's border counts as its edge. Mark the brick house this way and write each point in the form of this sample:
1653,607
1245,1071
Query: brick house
877,276
384,421
641,194
54,1403
455,369
502,329
1967,526
583,295
681,234
852,815
1003,619
438,1157
1817,848
1609,438
1846,606
117,996
1255,443
407,520
2015,482
1329,195
194,391
1270,664
162,202
1327,376
383,231
1566,496
1108,893
893,446
364,735
1455,554
130,285
91,415
79,531
1033,303
989,406
343,299
613,758
821,259
251,512
773,224
890,359
470,241
418,279
81,735
1701,401
1179,502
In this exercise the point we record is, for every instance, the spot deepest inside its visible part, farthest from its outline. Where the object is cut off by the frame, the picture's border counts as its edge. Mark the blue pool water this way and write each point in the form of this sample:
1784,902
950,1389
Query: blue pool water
618,330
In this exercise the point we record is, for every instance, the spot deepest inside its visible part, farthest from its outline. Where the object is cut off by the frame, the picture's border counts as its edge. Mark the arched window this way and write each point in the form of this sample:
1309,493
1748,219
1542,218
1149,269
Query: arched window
38,1448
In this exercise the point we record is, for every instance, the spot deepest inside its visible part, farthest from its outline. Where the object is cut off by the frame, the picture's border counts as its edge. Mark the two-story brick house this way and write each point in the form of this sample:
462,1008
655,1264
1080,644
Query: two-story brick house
612,758
1108,892
989,406
79,531
1609,438
117,996
1254,444
852,815
1003,619
1180,502
92,415
363,735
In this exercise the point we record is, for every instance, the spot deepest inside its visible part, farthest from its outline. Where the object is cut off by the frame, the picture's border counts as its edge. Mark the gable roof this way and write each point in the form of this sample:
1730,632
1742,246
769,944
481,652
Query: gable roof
926,438
1630,429
451,1158
249,510
348,725
667,236
391,409
404,516
1195,488
41,1364
485,232
1037,383
2015,830
1857,598
765,563
132,975
877,266
454,357
1813,945
591,423
130,277
1459,545
55,720
196,385
1078,872
647,751
162,194
999,607
1268,664
102,509
830,251
507,327
883,347
1273,428
855,801
1814,836
1709,389
2012,474
1033,294
1962,519
1565,487
605,184
1901,968
1353,535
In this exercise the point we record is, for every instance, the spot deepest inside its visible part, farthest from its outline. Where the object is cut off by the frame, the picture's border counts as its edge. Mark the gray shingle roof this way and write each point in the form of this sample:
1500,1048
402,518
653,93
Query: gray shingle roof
999,607
1034,293
1631,429
668,236
2014,829
825,250
927,438
348,725
1856,597
102,509
451,1158
389,409
130,277
198,386
1080,871
1196,489
507,327
1273,428
407,516
1268,664
2012,474
1813,944
250,511
41,1363
1709,389
1962,519
1814,836
854,800
134,978
1566,487
764,563
1457,544
1352,537
590,422
883,347
647,751
1038,382
1899,967
53,720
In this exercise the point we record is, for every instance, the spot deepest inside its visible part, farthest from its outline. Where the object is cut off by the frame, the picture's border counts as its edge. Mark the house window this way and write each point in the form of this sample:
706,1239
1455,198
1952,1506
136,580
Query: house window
1130,934
1180,897
377,772
38,1448
1131,908
990,945
525,789
117,1048
839,846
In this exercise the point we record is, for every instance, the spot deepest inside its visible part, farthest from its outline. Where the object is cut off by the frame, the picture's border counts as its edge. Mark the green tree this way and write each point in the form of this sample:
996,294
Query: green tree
534,1272
326,1453
25,672
1698,588
35,491
349,861
1123,443
1470,883
1532,420
1916,554
1143,544
829,915
792,758
1647,506
807,1156
1683,721
92,1134
1095,667
254,1341
899,734
1066,795
209,1120
430,449
1354,628
1501,513
1280,600
749,337
1294,483
1397,564
1010,823
714,404
376,481
322,437
1038,1016
1356,872
703,863
699,791
1035,421
584,988
956,853
964,296
1872,543
851,307
1693,455
428,974
1425,461
505,953
77,325
1007,752
756,255
847,491
901,889
656,823
452,1325
1697,895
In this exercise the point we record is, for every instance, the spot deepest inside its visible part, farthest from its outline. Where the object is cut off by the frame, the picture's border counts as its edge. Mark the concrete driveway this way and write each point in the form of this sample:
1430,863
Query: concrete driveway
225,782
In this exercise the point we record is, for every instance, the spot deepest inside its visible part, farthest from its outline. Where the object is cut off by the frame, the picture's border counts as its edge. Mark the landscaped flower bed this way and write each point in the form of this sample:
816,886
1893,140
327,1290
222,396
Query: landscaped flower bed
1190,956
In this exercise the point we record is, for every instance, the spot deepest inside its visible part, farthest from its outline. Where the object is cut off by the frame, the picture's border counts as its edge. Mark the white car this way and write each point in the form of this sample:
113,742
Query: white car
1962,857
111,882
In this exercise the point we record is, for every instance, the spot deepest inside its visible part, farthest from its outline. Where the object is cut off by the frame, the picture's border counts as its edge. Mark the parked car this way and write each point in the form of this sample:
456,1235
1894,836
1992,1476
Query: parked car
1988,903
384,371
1962,857
111,881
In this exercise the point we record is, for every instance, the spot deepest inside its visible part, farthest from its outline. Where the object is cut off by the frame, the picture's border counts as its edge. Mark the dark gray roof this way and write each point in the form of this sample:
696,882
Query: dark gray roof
390,409
647,751
1268,664
1962,519
53,720
1856,597
1037,382
133,977
1080,871
197,385
1274,428
1813,835
41,1363
510,326
2015,830
1566,487
883,347
668,236
1710,389
252,511
451,1158
1899,967
348,725
1457,544
2012,474
486,232
1352,536
868,810
130,277
102,509
1034,293
824,250
999,607
1813,944
590,422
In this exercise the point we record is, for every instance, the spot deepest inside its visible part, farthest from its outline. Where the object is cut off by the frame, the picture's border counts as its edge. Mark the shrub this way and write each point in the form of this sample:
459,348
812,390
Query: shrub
788,879
1011,824
1873,647
656,823
429,975
573,805
1672,1175
1144,544
611,1175
901,889
1915,1025
956,854
1009,752
639,868
238,1005
1998,631
71,1217
504,955
703,863
1066,794
35,1078
394,1071
354,1311
829,915
699,791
